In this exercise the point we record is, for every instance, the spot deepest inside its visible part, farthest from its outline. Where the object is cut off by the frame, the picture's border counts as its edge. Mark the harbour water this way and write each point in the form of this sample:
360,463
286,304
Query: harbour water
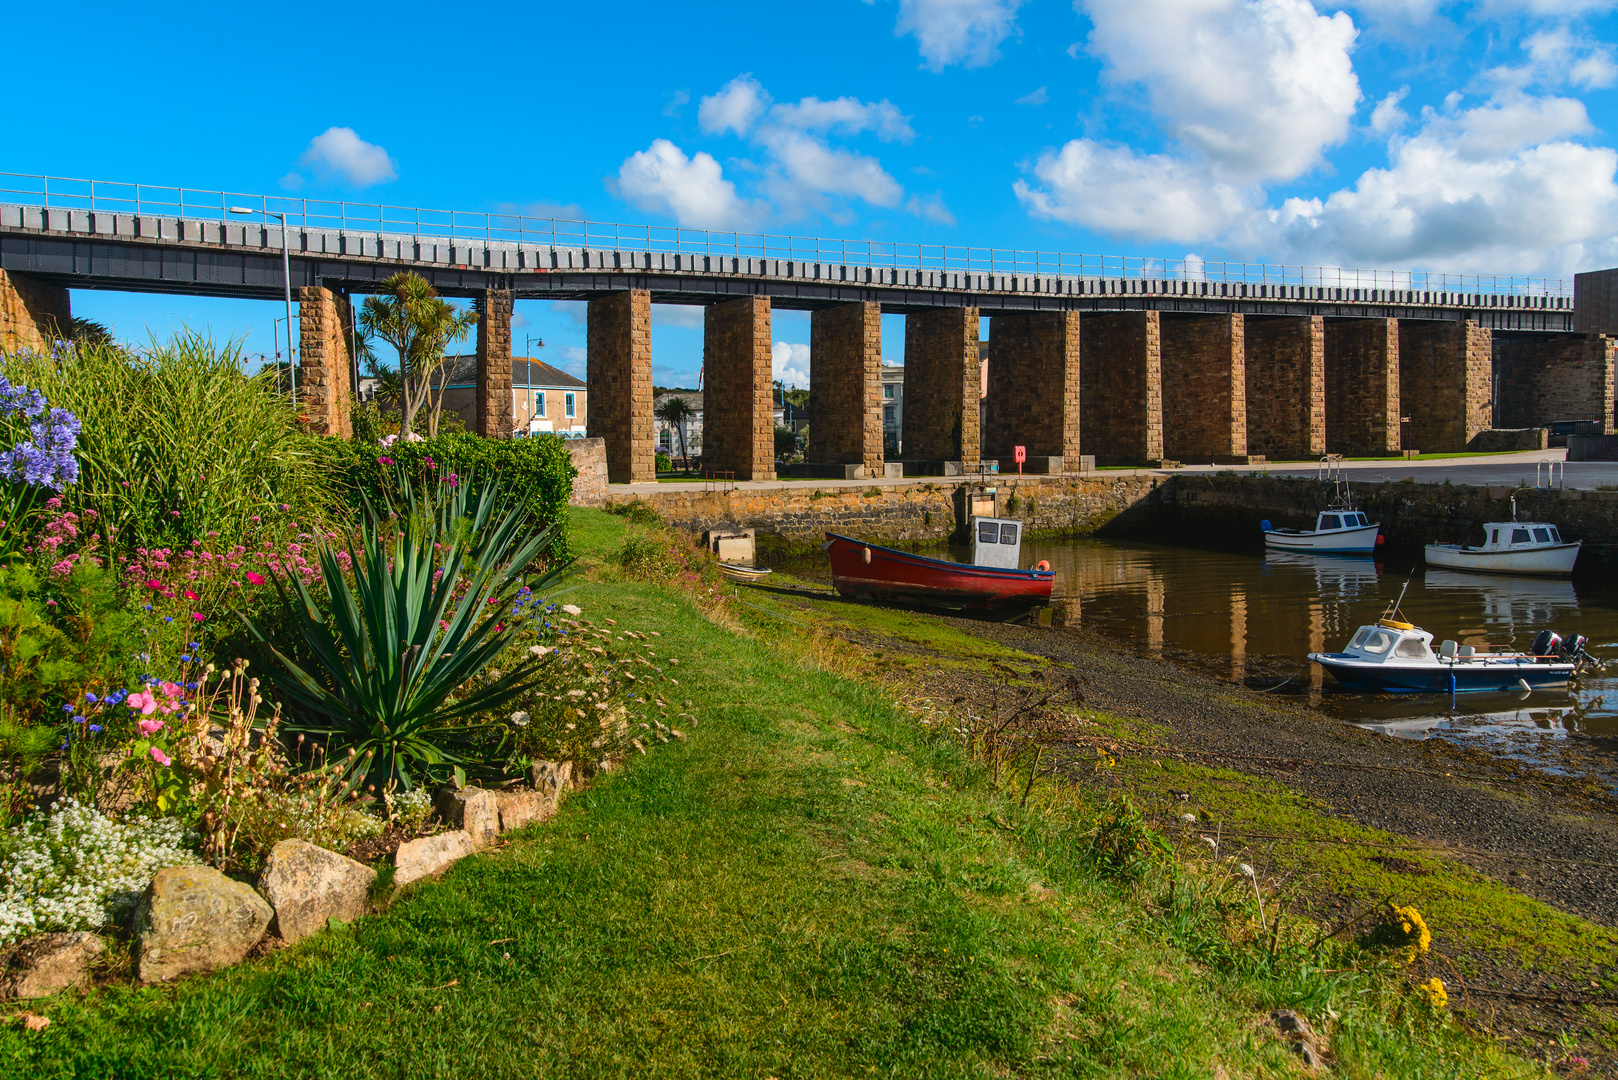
1252,618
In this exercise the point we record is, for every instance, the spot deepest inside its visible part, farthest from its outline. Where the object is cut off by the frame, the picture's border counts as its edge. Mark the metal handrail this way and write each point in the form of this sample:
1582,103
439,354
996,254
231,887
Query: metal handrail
513,227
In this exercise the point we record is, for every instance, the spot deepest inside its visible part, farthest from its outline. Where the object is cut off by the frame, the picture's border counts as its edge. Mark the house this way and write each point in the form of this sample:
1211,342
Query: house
543,398
668,438
893,397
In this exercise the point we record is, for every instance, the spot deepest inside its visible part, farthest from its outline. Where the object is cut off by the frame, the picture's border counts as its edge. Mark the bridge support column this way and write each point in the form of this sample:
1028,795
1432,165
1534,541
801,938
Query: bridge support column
618,352
1204,388
845,386
1445,369
1543,378
1121,419
1286,385
1362,386
33,313
325,393
942,383
738,423
494,412
1033,396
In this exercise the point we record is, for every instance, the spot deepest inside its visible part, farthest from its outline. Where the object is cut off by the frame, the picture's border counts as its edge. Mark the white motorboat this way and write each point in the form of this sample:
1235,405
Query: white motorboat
1511,547
1341,530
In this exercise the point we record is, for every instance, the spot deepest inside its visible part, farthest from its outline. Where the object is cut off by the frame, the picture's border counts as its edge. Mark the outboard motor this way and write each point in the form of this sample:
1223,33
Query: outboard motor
1546,643
1573,648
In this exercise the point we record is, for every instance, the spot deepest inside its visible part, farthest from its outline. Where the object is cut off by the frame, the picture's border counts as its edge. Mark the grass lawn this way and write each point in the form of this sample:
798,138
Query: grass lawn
811,884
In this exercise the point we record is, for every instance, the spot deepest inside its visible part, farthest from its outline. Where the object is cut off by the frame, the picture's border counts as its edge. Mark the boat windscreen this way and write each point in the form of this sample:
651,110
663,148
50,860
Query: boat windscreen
1519,536
1377,642
1542,535
988,532
1330,521
1008,533
1556,537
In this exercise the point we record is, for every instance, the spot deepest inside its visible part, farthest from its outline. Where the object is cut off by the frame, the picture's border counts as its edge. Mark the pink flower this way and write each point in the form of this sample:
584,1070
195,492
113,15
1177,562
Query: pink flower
171,690
189,595
154,585
159,757
198,616
144,701
150,727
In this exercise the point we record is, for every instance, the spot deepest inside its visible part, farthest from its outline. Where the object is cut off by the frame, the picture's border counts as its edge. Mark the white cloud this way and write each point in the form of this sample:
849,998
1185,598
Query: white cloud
1258,87
574,360
790,364
1037,97
1556,57
958,31
846,115
736,107
931,207
1387,116
693,191
1556,8
338,151
684,316
808,170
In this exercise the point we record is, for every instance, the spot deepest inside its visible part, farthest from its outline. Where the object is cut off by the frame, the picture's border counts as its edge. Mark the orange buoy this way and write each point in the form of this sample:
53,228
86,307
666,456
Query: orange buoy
867,556
1043,565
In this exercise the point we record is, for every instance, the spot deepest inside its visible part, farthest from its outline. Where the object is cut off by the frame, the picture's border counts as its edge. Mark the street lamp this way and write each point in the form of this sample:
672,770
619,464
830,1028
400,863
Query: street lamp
286,277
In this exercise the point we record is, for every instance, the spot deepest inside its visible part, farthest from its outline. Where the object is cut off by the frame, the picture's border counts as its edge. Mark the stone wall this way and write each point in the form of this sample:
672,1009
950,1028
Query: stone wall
1204,388
1362,386
1445,372
901,513
1121,391
1033,398
590,458
1545,378
738,422
941,385
33,313
325,369
619,373
1286,386
845,386
493,410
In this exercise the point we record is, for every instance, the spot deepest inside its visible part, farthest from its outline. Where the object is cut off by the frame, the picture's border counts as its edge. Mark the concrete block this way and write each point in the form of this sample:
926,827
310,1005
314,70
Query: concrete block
893,470
123,225
735,546
78,221
11,217
56,219
102,223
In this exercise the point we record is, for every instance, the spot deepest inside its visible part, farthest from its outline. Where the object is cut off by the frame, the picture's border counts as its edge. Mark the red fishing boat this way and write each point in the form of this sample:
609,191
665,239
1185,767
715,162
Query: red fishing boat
869,571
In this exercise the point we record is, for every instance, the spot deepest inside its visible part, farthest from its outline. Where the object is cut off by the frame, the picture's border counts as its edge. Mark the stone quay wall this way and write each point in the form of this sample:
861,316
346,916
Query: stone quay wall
590,458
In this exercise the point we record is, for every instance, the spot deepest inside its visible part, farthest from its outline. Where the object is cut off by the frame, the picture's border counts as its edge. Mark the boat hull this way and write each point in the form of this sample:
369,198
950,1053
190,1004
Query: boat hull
1472,677
869,571
1552,561
1360,541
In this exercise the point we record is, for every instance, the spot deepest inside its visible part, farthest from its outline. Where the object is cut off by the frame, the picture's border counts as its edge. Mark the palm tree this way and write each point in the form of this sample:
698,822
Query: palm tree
420,324
674,412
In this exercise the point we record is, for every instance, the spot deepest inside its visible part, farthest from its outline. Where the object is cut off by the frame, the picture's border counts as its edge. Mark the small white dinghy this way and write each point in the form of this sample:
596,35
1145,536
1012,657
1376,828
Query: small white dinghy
743,575
1340,530
1511,547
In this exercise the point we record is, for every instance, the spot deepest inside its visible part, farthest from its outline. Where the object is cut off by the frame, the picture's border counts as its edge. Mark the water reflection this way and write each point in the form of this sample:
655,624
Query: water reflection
1252,619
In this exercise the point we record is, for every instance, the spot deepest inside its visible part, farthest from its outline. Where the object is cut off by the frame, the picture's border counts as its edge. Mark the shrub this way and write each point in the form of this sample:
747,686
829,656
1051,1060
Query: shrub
534,474
637,511
262,819
665,463
76,869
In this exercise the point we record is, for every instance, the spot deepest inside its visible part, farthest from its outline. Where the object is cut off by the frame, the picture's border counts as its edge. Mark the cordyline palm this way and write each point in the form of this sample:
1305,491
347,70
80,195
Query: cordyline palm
420,324
430,607
675,412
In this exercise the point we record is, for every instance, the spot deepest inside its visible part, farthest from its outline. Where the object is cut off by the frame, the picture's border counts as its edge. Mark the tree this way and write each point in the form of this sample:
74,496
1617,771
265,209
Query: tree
675,412
420,324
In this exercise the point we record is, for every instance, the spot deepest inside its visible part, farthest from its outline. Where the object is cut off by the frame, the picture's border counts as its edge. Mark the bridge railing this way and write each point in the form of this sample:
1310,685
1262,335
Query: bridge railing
514,227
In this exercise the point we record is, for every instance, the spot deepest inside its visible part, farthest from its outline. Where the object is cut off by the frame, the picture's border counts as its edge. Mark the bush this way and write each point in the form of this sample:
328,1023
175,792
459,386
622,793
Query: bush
535,473
665,463
75,869
263,819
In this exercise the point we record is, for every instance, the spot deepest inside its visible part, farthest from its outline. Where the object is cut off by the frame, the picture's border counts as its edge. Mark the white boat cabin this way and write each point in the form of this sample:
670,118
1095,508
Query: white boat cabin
1393,641
1333,520
997,542
1518,535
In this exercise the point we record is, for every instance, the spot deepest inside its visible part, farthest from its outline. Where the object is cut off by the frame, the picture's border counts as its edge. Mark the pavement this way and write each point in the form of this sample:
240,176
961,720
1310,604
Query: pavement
1530,469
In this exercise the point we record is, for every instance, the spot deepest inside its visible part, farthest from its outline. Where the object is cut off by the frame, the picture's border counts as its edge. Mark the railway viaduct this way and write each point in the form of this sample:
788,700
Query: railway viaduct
1131,361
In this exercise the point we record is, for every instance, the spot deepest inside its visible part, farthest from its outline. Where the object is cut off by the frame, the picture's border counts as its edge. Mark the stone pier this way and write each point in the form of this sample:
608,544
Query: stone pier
619,373
845,386
941,386
1204,388
1286,386
1362,387
325,366
1121,388
1543,378
493,408
33,313
738,418
1033,398
1445,370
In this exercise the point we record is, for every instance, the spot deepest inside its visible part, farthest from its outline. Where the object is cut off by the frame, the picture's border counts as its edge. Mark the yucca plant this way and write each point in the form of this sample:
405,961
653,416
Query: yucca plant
392,676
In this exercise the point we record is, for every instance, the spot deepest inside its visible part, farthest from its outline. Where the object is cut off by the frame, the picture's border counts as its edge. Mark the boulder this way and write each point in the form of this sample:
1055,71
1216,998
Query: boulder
472,810
417,859
306,885
48,963
1301,1037
193,918
551,779
519,808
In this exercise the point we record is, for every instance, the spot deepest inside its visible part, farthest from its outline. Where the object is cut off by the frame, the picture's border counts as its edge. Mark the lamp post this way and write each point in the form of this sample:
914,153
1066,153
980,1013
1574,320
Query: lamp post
286,278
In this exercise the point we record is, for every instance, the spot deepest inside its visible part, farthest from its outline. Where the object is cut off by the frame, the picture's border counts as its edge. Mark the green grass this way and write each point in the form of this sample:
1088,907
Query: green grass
811,884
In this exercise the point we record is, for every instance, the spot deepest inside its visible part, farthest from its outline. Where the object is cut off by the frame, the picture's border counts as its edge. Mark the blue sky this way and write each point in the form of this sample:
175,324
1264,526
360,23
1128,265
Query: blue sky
1467,137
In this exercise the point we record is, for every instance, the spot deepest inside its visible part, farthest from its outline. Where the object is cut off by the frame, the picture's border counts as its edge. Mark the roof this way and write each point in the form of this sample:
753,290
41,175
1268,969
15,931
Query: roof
525,372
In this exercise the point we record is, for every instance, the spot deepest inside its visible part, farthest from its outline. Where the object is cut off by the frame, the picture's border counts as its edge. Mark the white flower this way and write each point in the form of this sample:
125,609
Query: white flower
413,437
519,718
1189,819
539,650
1211,842
572,609
1247,871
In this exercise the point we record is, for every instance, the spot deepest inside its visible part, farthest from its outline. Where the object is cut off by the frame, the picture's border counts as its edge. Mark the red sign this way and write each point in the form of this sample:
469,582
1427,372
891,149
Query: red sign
1019,454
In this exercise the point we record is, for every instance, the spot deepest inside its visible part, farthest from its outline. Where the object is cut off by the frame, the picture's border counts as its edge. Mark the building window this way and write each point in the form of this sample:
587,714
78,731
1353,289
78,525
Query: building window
887,391
539,403
571,408
887,415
